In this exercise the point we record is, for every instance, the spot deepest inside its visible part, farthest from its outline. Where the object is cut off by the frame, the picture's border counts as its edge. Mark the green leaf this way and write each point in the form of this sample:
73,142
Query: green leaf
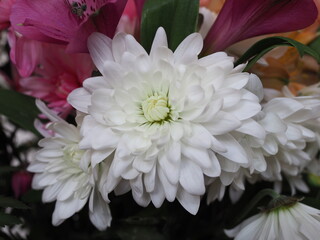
253,203
254,53
185,21
19,108
315,45
8,169
11,202
7,219
179,18
155,13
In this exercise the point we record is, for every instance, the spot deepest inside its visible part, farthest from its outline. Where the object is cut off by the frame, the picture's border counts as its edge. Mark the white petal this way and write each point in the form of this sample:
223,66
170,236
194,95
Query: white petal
69,207
254,85
67,131
67,190
99,213
208,19
50,193
170,190
160,40
245,109
191,178
188,49
199,156
235,151
214,170
283,107
190,202
236,80
149,180
99,46
157,195
80,99
95,83
272,123
222,123
98,156
49,113
252,128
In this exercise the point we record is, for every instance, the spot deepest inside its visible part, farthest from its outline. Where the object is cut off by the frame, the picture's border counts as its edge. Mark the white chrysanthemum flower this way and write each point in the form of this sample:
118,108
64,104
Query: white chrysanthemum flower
290,146
313,147
166,116
297,221
65,174
286,122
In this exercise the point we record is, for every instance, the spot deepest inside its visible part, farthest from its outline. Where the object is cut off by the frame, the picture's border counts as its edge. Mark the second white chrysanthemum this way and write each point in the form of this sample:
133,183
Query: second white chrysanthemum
65,174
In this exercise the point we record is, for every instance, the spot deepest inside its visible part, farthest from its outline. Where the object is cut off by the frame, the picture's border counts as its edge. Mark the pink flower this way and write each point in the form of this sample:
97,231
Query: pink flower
242,19
128,20
5,11
24,53
68,22
21,182
131,18
56,75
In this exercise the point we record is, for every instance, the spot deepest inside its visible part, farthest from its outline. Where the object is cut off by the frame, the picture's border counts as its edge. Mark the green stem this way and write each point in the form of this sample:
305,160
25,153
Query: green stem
263,193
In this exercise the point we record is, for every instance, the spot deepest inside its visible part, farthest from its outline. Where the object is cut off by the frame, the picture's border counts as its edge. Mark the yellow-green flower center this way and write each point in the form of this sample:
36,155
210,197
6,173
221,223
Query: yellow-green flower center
155,108
72,153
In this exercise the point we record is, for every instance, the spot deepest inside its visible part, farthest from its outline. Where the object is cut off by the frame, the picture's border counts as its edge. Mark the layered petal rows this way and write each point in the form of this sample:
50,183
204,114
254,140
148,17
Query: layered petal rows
166,117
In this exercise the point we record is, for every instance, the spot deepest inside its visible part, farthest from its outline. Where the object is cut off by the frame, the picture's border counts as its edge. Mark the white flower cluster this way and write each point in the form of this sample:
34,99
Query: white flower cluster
168,125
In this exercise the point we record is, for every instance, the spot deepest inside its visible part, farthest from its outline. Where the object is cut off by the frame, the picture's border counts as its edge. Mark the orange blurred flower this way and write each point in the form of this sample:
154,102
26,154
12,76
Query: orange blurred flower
213,5
290,69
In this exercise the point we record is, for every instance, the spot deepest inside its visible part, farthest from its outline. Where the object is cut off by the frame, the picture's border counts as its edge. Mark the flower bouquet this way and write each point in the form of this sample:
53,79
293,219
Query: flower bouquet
159,119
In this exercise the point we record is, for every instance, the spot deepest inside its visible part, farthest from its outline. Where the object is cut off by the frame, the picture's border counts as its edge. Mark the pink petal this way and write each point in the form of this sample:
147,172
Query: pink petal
242,19
40,20
24,53
139,6
54,21
21,183
5,11
130,9
59,74
109,16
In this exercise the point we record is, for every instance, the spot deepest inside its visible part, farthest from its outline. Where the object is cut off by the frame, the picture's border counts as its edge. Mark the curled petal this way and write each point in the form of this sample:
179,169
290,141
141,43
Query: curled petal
242,19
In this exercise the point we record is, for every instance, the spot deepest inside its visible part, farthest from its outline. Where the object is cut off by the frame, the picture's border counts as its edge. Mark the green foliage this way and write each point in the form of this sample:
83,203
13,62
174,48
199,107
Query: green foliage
19,108
11,202
254,53
8,169
9,219
179,18
315,45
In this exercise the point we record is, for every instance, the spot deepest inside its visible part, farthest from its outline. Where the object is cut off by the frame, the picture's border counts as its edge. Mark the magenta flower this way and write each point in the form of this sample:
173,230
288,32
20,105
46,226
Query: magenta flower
5,11
21,182
57,74
24,53
130,20
68,22
242,19
139,6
